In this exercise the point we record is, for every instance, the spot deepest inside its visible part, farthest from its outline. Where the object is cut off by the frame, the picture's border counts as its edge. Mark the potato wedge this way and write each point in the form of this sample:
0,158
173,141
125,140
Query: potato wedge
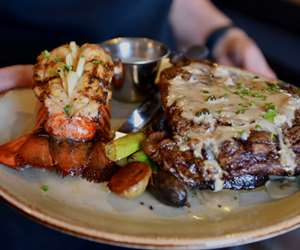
131,180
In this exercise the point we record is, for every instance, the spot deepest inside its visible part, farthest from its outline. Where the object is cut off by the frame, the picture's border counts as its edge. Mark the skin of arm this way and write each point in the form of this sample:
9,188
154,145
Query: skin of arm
194,20
17,76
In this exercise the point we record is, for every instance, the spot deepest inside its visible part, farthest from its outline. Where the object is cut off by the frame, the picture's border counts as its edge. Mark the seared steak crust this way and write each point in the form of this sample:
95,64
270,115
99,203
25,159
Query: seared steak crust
246,161
243,171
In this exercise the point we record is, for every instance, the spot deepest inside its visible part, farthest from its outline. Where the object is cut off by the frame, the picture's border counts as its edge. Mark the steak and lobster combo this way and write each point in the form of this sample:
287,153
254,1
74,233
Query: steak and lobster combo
220,128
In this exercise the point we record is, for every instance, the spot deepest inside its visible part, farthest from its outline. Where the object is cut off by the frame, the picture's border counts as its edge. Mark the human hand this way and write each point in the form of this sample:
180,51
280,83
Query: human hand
17,76
238,49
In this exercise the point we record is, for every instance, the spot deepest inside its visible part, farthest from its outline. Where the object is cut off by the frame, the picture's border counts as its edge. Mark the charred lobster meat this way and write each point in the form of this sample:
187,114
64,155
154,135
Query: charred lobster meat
73,86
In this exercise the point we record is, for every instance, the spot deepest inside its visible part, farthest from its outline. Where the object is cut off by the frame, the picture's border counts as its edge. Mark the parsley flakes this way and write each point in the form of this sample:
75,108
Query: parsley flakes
58,59
46,54
272,87
67,109
45,188
241,110
269,106
257,126
67,67
98,62
270,115
243,91
271,112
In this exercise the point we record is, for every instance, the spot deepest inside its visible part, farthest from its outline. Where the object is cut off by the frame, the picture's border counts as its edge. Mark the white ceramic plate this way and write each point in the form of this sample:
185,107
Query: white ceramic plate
88,210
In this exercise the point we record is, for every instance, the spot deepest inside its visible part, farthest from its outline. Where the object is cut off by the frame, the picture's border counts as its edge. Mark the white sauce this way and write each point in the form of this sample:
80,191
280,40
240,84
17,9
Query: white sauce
238,99
287,155
213,171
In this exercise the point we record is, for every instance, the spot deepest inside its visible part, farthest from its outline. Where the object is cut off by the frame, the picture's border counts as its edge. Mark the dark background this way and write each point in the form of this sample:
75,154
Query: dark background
275,25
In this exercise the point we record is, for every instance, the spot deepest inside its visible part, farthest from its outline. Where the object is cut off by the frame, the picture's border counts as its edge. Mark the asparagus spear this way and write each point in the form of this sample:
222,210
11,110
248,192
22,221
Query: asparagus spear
124,146
140,156
122,162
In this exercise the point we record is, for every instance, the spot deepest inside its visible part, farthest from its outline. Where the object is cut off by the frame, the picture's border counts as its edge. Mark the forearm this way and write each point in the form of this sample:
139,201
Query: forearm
193,20
17,76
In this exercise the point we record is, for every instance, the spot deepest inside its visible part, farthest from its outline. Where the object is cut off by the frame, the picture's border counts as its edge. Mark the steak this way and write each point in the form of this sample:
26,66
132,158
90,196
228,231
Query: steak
226,128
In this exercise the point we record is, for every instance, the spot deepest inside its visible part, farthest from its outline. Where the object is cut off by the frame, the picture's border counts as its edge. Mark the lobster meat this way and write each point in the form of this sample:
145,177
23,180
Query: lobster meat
73,85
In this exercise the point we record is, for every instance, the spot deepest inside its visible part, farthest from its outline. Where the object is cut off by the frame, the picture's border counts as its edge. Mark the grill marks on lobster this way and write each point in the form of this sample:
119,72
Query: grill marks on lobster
73,85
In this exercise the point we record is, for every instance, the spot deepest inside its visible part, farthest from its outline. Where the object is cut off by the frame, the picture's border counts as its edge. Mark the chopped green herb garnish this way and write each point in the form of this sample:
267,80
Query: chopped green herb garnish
259,95
242,90
67,67
46,54
241,132
58,59
270,106
272,87
67,109
243,107
205,91
271,112
270,115
45,188
257,126
245,92
241,110
238,85
98,62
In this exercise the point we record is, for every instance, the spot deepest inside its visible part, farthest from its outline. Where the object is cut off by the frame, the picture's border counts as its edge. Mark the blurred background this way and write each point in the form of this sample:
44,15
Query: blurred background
35,25
275,26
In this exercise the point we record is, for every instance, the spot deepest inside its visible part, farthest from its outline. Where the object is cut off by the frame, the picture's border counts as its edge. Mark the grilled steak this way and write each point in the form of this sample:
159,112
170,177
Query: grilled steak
227,128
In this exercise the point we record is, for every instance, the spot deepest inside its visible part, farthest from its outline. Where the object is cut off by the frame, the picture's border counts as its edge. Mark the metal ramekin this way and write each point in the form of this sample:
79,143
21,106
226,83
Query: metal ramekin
141,58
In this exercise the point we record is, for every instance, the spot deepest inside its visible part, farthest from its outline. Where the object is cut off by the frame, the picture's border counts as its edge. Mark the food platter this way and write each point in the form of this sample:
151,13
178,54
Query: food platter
88,210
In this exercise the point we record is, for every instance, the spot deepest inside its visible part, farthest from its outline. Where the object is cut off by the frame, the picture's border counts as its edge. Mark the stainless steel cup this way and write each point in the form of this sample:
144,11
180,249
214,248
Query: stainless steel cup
141,58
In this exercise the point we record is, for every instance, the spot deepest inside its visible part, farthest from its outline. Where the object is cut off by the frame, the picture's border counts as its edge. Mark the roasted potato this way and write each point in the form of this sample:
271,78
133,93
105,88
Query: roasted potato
131,180
168,189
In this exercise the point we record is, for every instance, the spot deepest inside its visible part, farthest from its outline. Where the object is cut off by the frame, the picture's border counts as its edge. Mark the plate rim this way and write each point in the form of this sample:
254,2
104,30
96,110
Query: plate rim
147,242
152,242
